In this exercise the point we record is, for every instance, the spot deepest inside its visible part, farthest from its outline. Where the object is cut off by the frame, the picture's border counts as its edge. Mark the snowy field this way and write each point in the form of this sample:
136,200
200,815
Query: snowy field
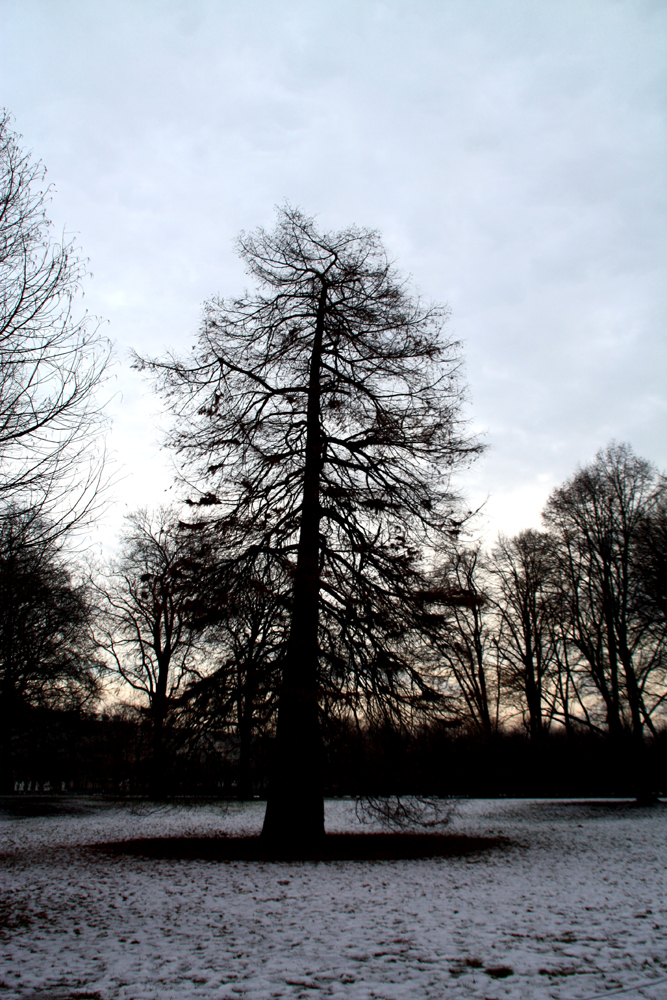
576,908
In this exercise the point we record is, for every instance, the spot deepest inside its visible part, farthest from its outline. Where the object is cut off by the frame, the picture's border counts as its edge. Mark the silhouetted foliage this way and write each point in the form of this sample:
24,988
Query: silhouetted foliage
47,655
248,623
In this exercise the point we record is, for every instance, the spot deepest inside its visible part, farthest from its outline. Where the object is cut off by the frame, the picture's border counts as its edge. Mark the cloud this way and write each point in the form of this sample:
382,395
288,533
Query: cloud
512,154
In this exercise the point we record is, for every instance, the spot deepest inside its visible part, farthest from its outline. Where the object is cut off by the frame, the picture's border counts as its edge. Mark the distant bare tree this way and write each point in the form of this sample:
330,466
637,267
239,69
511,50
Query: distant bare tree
524,573
322,414
649,560
467,638
148,624
597,518
51,363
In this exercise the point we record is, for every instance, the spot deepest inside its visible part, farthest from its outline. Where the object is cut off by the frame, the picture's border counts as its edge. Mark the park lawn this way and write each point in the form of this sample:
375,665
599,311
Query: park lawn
571,904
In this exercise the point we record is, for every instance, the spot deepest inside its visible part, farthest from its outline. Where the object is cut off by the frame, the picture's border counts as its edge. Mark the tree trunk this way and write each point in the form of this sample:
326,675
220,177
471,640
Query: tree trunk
7,722
533,688
247,709
295,808
157,783
534,703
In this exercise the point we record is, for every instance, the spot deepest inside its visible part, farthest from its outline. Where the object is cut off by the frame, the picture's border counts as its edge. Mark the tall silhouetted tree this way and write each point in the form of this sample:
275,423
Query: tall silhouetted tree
51,363
321,412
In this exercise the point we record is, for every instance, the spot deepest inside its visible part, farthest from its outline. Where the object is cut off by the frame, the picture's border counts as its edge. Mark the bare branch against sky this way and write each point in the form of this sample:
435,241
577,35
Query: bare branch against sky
512,155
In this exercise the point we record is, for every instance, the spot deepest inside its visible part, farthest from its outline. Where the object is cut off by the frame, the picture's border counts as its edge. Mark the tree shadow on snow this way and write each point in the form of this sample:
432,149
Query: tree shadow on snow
334,847
19,806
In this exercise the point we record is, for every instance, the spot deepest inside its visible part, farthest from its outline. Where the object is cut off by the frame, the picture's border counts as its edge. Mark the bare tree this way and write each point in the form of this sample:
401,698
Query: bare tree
596,518
51,363
466,639
526,600
47,654
150,609
649,560
322,415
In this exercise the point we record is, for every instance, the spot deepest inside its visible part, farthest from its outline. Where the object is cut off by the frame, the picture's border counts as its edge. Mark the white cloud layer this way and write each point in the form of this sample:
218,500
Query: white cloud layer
513,155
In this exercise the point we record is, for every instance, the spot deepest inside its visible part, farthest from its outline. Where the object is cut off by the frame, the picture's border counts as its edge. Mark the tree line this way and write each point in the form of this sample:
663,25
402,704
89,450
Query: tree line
316,595
559,632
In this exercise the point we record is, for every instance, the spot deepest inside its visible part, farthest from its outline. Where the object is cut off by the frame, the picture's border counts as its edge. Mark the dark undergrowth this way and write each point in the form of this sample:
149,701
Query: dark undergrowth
60,752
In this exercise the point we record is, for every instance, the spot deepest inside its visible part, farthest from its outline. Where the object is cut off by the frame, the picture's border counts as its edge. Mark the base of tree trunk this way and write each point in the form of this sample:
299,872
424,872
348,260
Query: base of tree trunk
647,798
294,820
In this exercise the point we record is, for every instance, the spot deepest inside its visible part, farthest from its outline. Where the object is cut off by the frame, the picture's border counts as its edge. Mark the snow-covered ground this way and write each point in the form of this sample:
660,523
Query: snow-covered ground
576,908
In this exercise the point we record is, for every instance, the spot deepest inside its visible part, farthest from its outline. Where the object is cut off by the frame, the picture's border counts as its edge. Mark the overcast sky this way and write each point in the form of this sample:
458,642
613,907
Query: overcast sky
513,155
